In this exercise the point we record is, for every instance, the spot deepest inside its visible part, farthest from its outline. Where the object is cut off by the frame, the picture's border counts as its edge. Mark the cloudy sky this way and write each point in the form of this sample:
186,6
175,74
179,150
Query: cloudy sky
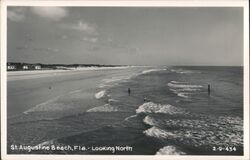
144,36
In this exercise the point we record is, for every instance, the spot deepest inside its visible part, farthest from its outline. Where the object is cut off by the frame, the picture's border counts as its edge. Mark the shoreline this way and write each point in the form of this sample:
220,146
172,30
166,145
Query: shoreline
32,74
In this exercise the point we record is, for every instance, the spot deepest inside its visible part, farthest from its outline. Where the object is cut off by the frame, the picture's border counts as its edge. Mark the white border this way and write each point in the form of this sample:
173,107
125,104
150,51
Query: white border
103,3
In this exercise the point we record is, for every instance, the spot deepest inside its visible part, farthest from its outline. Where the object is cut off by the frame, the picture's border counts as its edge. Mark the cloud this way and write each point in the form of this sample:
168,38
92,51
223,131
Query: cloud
64,37
90,39
82,26
51,13
16,14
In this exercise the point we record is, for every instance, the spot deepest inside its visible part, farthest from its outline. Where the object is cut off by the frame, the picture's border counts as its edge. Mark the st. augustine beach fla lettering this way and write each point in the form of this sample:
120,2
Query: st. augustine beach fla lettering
112,149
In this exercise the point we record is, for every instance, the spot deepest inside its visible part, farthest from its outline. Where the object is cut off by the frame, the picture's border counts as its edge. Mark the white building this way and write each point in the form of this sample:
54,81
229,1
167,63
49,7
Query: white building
37,67
11,67
25,67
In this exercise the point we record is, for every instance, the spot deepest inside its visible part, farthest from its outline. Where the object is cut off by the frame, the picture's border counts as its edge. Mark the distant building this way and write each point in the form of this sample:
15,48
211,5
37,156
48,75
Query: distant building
37,67
11,67
25,67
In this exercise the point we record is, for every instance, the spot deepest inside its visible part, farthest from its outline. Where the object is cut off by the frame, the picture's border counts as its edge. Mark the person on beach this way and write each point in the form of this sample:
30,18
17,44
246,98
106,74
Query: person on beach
129,91
208,89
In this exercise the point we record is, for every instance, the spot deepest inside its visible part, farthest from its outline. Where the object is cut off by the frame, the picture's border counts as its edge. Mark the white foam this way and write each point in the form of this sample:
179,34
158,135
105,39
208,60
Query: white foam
115,80
100,94
118,78
158,133
149,120
104,108
128,118
46,143
183,89
152,70
177,82
76,91
170,150
208,131
182,94
151,107
112,100
184,85
181,71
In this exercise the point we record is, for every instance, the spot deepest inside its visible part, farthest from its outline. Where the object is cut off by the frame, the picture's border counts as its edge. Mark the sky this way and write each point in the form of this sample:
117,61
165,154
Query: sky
126,35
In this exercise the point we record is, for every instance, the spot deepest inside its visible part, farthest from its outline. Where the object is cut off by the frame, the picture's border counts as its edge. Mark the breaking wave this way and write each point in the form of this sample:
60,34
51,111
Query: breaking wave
104,108
170,150
100,94
152,70
113,100
183,89
150,107
184,85
109,82
128,118
202,131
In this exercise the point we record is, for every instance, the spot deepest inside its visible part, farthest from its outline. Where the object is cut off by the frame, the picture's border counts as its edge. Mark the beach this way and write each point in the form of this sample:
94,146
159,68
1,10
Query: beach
167,111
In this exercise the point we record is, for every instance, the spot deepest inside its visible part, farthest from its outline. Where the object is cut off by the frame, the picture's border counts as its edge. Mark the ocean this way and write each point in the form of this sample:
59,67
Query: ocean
168,110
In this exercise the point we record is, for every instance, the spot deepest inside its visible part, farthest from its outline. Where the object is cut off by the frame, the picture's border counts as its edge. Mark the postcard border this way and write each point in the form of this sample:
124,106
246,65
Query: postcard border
103,3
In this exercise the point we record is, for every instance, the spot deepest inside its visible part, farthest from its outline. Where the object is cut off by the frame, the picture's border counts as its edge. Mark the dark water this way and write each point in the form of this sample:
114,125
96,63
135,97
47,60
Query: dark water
169,111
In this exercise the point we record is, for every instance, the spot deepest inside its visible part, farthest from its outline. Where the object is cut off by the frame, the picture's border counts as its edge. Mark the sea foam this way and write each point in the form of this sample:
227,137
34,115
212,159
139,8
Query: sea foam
158,133
152,70
151,107
170,150
183,89
205,131
100,94
104,108
181,85
181,71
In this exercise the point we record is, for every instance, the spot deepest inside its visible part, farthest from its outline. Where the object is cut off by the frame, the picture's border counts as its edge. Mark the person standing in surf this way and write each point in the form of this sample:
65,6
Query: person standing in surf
129,91
208,89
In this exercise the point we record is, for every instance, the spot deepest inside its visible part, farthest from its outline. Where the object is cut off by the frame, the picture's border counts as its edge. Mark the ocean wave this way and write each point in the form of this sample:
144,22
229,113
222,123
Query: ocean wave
100,94
150,121
115,79
104,108
150,107
169,150
128,118
152,70
205,131
181,85
46,143
110,82
182,71
113,100
183,89
159,133
177,82
75,91
182,94
49,105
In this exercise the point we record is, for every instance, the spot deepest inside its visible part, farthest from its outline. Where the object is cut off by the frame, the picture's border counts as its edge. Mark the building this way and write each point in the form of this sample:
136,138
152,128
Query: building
25,67
37,67
11,67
